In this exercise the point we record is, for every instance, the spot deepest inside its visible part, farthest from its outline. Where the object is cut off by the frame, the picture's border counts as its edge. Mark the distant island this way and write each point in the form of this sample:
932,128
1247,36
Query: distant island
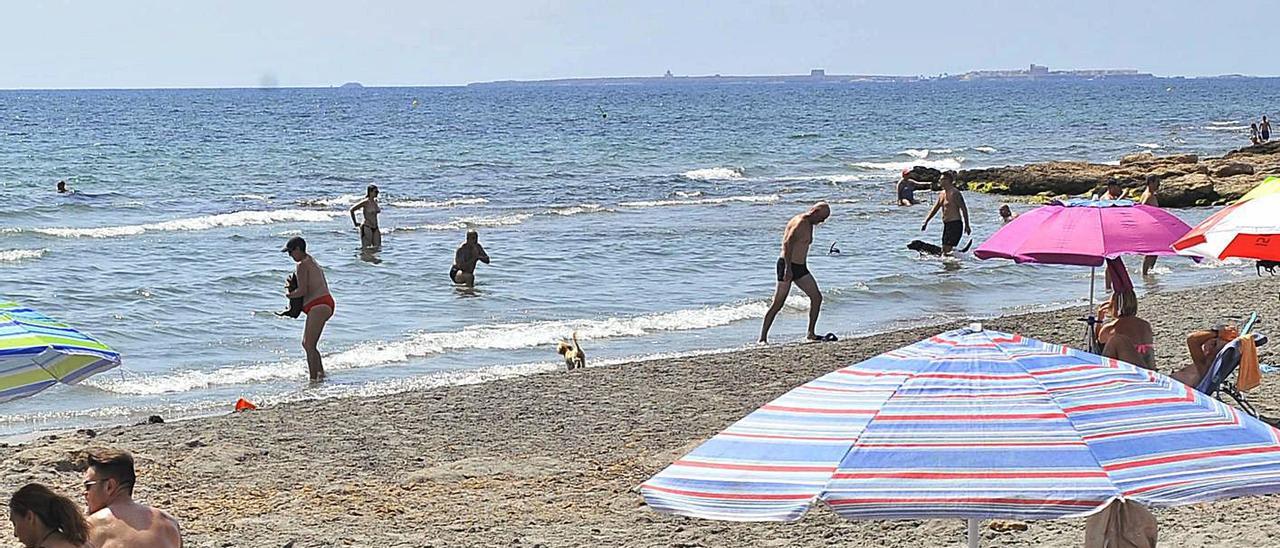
820,76
351,85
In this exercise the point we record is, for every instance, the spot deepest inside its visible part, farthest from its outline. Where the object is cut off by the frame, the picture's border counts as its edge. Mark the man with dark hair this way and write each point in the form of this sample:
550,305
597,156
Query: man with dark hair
955,214
115,520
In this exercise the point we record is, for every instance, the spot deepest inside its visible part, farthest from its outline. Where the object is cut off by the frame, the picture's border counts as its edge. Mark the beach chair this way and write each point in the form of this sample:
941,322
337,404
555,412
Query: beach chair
1218,380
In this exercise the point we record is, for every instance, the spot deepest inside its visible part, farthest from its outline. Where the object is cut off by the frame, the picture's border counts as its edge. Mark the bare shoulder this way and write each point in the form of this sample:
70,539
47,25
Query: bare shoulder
168,525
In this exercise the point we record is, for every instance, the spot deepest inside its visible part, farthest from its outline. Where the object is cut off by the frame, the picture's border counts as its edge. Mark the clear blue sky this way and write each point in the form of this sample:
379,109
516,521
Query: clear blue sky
180,43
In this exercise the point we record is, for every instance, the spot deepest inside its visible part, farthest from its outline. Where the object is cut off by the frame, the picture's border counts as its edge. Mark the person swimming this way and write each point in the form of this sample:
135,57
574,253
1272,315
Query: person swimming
1007,214
370,235
62,188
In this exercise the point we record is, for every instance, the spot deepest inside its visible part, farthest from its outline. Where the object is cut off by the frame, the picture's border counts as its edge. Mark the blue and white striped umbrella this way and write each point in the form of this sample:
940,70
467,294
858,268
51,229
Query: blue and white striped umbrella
37,352
974,424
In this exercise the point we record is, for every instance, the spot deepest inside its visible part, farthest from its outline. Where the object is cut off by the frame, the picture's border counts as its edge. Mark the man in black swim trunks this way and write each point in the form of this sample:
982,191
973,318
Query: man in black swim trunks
469,253
791,268
955,214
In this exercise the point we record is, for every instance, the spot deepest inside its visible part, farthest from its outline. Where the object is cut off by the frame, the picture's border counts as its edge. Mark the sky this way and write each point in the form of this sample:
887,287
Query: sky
251,43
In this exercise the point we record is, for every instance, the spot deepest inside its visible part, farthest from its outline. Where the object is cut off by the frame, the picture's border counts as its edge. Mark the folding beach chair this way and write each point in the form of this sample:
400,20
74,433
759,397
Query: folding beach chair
1218,380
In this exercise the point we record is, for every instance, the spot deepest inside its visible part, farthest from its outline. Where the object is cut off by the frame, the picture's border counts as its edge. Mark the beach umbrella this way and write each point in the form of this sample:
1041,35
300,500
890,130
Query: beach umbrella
974,424
1247,229
1084,232
37,352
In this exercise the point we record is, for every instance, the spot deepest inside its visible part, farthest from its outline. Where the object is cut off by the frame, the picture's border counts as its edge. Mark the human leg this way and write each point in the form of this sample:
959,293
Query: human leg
779,298
810,287
316,319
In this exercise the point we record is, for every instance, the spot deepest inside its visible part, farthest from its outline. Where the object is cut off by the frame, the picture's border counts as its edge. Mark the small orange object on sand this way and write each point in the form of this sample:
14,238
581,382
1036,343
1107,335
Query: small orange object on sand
244,405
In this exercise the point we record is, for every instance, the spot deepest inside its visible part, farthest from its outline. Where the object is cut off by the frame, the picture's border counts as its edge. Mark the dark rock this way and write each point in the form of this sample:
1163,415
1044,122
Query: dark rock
925,174
155,419
1234,168
87,432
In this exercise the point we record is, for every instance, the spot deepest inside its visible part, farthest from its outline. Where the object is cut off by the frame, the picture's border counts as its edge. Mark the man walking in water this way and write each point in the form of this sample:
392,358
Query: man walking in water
791,268
469,253
955,214
1149,198
115,520
317,304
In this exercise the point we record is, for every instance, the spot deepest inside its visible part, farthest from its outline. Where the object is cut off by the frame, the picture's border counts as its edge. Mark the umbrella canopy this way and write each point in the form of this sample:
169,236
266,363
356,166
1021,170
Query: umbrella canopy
37,352
1247,229
1083,232
974,424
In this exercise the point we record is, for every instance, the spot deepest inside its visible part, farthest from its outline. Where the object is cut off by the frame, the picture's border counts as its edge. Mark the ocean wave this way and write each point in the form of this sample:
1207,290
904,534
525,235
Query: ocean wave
1152,146
1225,128
341,200
688,193
440,204
239,218
804,136
714,173
842,178
509,336
463,223
13,255
751,199
577,209
943,164
1224,122
985,150
258,197
922,153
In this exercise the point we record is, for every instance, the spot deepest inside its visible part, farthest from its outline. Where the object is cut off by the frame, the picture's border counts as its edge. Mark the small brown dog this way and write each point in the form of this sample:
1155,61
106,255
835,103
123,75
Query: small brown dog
574,357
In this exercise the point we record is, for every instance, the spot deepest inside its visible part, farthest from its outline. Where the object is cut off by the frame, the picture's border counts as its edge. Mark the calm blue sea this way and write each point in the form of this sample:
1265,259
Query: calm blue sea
645,218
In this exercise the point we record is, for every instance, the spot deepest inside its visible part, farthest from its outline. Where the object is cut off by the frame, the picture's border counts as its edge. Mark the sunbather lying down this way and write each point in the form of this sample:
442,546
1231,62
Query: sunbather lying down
1204,346
1127,337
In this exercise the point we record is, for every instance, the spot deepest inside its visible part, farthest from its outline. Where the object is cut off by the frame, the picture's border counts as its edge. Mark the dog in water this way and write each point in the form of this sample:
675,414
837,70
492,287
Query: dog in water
926,247
574,357
1269,266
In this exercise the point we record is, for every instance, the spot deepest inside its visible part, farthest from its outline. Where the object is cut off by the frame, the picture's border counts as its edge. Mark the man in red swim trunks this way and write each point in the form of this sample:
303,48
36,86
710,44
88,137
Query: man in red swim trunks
317,304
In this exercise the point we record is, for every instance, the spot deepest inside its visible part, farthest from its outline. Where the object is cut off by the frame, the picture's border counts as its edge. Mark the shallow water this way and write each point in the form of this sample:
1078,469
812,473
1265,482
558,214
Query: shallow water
645,218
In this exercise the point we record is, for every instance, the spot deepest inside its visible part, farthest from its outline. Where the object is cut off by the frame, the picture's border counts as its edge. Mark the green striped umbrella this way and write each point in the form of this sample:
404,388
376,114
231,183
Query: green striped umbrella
37,352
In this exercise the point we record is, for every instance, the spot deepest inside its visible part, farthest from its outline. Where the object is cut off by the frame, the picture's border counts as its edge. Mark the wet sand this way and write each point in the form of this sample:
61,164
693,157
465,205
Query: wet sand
553,459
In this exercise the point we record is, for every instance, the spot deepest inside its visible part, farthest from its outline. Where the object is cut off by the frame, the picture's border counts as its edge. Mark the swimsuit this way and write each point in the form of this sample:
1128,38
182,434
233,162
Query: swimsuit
907,192
453,274
326,300
951,231
798,270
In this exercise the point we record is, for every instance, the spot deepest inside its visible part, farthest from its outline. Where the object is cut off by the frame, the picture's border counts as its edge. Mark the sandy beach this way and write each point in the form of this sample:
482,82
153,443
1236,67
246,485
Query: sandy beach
552,459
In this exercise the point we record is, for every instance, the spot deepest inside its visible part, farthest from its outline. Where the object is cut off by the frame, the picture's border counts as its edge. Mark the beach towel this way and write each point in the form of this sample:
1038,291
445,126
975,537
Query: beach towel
1121,525
1250,375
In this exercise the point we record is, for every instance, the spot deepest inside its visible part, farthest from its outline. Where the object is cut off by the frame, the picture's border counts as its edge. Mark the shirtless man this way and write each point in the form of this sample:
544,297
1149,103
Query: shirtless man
1113,192
317,303
370,236
115,520
791,268
955,214
1149,198
463,271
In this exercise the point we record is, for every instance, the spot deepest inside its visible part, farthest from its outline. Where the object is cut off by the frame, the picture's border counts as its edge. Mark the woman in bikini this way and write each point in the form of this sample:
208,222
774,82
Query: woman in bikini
44,519
1127,337
317,304
370,236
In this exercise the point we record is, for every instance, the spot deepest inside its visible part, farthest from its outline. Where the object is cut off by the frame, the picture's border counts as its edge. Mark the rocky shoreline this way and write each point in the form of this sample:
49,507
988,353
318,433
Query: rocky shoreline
1186,179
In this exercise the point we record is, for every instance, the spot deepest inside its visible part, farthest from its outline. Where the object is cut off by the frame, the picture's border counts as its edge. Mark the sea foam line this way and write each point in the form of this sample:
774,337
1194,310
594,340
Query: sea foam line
239,218
439,204
944,164
751,199
714,173
13,255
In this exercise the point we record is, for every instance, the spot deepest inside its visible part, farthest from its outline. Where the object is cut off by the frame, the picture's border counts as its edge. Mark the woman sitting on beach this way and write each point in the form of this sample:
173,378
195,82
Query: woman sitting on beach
44,519
1127,337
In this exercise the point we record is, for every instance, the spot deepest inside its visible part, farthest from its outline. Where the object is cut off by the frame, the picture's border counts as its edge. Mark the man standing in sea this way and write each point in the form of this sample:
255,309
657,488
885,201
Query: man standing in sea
955,214
792,268
1149,198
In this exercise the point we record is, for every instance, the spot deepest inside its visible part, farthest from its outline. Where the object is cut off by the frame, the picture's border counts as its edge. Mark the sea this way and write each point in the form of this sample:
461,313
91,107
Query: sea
647,219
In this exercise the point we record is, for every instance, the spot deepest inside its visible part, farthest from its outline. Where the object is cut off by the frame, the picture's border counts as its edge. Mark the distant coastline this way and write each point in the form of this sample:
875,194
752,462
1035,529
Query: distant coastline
819,76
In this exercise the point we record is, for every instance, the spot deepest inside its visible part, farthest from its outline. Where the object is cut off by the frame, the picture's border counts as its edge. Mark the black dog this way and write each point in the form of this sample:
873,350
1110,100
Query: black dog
926,247
295,303
1269,266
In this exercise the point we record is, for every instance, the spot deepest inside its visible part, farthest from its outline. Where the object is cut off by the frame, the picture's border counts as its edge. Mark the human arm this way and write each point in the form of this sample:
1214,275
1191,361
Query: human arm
353,209
937,204
964,213
304,281
484,257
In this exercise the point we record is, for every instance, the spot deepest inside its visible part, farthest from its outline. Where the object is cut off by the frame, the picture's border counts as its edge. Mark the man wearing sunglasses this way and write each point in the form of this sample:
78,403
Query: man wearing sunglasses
115,520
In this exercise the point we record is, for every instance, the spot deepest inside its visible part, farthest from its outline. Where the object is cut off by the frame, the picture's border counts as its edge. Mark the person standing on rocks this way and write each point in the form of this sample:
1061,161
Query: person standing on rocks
115,520
955,214
792,268
1149,198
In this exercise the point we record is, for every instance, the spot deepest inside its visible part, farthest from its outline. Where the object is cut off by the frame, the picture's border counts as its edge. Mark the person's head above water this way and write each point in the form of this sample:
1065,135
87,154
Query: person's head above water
296,247
62,186
1005,212
906,173
818,213
472,236
372,191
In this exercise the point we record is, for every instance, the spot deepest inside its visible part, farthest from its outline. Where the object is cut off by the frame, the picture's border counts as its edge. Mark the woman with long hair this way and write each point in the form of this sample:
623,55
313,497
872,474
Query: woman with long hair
44,519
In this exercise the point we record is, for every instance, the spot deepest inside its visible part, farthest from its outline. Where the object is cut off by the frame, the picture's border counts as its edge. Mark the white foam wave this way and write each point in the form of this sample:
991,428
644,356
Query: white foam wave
688,193
1149,145
258,197
985,150
344,199
510,336
463,223
576,209
443,203
239,218
922,153
754,199
943,164
843,178
11,255
1225,128
714,173
1224,122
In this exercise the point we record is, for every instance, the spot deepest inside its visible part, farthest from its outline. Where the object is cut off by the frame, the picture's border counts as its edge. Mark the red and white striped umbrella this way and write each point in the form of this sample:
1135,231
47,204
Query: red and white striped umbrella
1248,229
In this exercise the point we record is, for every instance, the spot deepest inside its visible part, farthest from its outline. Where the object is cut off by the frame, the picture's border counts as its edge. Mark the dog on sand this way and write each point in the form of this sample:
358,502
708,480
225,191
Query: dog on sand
574,357
1269,266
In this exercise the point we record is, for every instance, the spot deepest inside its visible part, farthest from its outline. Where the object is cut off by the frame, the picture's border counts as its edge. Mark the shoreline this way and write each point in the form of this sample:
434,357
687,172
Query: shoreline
553,458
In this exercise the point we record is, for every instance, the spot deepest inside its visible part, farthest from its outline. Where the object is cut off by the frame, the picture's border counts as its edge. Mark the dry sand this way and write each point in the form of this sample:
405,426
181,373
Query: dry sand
552,459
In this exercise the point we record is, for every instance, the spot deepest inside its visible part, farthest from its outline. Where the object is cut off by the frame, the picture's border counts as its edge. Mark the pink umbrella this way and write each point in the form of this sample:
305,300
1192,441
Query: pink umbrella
1083,232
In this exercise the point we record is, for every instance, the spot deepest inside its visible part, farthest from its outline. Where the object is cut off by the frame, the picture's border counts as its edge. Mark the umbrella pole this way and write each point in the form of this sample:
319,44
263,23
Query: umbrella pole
973,533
